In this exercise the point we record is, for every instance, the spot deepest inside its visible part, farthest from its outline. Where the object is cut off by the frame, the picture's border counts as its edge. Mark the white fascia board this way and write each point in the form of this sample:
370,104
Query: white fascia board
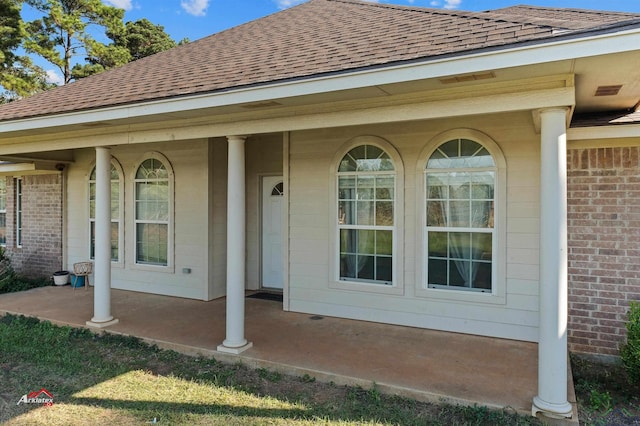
529,54
10,168
604,132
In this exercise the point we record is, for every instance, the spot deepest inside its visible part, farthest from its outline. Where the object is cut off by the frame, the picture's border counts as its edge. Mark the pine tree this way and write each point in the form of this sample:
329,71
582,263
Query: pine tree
62,33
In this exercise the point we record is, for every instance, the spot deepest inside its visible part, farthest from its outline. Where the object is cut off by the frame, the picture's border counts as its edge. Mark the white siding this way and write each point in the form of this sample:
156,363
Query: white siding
200,224
189,161
311,254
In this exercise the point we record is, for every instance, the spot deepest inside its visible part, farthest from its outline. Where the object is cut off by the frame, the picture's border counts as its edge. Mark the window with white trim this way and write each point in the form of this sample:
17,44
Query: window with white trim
460,182
3,211
116,211
152,213
366,206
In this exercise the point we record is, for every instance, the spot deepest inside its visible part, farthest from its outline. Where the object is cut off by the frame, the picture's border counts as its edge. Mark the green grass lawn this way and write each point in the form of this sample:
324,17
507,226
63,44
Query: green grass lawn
109,379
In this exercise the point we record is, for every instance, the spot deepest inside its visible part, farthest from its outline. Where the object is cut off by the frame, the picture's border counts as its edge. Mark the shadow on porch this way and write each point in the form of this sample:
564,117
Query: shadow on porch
422,364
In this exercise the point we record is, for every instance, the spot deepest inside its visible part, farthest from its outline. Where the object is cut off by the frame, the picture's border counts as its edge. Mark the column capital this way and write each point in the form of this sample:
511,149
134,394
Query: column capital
237,138
556,109
108,148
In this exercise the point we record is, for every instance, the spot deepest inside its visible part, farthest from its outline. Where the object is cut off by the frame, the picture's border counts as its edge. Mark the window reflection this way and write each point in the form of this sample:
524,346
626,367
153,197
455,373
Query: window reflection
366,194
460,199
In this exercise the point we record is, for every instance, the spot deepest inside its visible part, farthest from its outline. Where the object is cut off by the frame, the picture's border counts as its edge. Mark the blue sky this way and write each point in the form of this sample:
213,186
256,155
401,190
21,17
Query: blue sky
195,19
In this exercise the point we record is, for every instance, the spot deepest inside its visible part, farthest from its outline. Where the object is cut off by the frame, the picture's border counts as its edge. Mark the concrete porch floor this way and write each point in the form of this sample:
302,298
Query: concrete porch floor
422,364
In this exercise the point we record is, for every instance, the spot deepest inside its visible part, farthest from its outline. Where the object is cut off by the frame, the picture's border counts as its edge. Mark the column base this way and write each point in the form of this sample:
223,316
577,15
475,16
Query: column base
234,350
554,411
102,324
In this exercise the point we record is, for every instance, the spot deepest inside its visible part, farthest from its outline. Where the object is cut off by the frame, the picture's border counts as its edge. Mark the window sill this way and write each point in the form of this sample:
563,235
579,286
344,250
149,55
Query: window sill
495,298
152,268
365,287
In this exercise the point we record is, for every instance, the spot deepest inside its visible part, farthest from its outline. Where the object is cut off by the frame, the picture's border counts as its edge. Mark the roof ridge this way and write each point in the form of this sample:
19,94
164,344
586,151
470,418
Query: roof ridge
564,18
486,16
564,9
420,9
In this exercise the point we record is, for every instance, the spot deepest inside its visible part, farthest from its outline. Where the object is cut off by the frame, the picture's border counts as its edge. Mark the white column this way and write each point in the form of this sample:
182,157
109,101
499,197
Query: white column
102,263
235,341
552,345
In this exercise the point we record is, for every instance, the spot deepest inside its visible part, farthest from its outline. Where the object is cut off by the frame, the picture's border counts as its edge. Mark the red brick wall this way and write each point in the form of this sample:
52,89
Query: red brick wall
604,245
41,251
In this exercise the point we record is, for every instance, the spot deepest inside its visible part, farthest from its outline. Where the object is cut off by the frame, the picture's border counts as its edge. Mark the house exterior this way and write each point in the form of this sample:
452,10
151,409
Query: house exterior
473,172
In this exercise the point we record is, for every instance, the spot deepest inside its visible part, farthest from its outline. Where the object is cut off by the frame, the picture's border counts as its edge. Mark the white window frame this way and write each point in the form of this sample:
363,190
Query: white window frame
497,295
19,211
397,284
3,195
120,219
170,266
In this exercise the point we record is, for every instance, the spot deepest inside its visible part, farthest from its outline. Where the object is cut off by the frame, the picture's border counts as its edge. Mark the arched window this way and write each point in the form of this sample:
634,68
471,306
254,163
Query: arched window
153,212
278,190
366,215
116,212
460,205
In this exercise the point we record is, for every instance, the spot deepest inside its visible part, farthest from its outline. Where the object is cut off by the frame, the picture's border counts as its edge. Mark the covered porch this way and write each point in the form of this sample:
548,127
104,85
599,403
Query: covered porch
418,363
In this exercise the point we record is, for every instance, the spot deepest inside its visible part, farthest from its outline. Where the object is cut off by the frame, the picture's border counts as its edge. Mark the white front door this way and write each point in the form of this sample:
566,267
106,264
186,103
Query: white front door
272,261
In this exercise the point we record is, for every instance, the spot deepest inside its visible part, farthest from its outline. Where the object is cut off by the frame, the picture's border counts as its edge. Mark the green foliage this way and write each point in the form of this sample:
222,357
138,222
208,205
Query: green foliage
600,400
7,276
14,283
307,378
604,393
9,26
10,33
630,352
63,32
480,415
10,282
272,376
143,38
22,79
133,41
18,76
130,342
42,342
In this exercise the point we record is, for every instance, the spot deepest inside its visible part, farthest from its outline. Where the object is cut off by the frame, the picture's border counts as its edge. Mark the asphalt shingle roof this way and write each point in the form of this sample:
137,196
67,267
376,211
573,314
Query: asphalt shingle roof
317,37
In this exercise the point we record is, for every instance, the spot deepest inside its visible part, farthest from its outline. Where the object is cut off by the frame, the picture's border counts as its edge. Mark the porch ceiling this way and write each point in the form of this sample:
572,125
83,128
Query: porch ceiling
419,363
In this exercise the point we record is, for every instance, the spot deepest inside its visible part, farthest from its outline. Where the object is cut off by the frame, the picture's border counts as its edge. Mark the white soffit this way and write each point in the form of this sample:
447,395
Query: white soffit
530,54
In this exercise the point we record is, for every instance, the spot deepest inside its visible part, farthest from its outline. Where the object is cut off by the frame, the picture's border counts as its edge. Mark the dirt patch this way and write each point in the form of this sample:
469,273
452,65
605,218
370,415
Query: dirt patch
605,395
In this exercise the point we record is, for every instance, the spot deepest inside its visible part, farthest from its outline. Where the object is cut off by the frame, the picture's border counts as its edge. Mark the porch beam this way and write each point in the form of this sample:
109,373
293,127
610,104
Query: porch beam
102,271
552,398
380,109
235,341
